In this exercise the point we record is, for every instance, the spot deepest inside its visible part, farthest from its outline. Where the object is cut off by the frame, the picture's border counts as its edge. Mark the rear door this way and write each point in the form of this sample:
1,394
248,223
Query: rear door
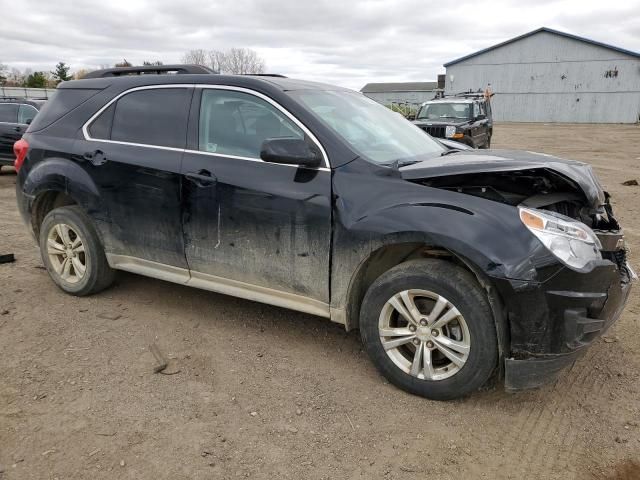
10,131
132,150
260,225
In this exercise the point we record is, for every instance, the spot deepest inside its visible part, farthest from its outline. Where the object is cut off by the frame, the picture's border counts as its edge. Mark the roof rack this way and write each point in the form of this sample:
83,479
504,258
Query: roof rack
149,69
266,75
468,94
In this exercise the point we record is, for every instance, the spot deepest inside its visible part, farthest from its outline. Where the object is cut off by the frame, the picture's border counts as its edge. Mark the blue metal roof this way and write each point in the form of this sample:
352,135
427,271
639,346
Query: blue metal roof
548,30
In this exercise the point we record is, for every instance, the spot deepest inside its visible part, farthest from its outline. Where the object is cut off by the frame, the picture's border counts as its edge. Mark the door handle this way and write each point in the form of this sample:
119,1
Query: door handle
97,157
17,129
202,178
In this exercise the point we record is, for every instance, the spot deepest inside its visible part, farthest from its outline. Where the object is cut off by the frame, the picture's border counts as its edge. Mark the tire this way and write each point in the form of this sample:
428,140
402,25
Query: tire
473,330
68,241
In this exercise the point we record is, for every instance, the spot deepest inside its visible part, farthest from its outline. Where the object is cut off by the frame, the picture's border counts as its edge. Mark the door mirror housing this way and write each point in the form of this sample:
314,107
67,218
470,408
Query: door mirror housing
290,151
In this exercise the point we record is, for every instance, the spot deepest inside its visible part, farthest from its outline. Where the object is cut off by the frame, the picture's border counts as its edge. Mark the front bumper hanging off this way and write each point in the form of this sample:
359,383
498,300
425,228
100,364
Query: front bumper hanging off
553,323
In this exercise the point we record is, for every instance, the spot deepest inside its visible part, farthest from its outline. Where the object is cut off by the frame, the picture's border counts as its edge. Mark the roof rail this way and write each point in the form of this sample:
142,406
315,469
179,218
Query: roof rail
149,69
266,75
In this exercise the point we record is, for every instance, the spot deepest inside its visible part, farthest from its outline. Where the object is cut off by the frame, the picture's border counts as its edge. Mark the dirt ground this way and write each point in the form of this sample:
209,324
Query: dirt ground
264,392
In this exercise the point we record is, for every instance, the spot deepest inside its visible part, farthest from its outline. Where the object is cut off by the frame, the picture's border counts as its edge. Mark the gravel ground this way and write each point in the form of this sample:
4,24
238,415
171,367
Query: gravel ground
263,392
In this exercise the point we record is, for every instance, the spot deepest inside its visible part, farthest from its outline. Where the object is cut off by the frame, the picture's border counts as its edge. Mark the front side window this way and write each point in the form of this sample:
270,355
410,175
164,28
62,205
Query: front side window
373,131
26,114
155,117
237,123
8,112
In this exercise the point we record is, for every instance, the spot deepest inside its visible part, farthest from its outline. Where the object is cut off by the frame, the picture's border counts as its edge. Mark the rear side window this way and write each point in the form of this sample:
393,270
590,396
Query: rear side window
62,102
149,117
8,112
101,127
26,114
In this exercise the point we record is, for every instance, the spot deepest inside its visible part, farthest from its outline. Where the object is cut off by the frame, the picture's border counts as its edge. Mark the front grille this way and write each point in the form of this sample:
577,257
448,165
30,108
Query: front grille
435,131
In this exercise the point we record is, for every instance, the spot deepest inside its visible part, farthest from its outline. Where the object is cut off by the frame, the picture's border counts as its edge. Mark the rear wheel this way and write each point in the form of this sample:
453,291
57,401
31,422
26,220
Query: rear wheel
428,328
72,252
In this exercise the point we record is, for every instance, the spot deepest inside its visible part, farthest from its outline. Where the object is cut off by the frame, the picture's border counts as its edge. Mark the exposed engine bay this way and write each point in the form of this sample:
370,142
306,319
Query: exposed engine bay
536,188
543,189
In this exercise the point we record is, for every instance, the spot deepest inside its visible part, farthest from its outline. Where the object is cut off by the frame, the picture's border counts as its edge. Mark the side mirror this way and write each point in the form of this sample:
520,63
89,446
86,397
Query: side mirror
28,121
289,151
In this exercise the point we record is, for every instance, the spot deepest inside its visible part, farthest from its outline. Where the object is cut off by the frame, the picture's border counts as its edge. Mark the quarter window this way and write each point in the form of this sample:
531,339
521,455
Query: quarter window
236,123
8,112
26,114
149,117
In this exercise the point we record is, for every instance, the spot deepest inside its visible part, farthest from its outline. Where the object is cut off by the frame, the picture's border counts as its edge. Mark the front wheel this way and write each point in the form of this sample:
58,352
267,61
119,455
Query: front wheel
72,252
428,328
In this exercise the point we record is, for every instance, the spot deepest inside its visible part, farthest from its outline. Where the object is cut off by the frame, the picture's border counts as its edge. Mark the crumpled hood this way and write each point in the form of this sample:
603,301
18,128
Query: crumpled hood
479,161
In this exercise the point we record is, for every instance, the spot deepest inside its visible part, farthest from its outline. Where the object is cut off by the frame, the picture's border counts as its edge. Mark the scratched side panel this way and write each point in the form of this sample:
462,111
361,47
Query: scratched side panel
259,223
140,196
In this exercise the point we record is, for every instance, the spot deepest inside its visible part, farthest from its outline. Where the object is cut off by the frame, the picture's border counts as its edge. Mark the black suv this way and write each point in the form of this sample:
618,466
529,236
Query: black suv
465,118
15,115
318,199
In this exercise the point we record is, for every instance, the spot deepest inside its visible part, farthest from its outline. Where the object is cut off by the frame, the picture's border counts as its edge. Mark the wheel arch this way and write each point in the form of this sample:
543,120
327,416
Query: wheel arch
388,256
58,182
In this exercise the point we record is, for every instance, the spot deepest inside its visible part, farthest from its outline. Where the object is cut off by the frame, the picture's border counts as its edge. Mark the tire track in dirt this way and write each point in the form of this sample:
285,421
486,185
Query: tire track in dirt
561,455
547,425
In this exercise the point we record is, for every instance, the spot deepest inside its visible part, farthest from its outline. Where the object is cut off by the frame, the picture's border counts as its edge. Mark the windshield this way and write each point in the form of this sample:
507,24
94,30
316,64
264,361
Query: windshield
373,131
434,111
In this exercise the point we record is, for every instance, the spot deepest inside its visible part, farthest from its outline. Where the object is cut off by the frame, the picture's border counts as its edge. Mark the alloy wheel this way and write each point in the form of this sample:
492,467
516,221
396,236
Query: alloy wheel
66,253
424,334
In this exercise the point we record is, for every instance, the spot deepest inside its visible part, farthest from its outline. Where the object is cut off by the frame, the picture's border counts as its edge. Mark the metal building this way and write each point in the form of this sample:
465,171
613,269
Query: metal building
552,76
412,93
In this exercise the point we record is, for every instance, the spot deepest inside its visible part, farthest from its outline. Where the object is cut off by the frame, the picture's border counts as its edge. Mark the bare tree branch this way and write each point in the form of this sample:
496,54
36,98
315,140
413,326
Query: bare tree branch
235,61
196,57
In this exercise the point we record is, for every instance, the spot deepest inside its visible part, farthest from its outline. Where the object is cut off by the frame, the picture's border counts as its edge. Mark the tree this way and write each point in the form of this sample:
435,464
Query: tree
152,64
61,73
236,61
196,57
123,63
80,74
36,80
3,74
242,61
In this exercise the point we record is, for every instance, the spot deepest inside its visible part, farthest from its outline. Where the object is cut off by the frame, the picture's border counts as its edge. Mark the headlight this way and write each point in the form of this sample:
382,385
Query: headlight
449,131
572,242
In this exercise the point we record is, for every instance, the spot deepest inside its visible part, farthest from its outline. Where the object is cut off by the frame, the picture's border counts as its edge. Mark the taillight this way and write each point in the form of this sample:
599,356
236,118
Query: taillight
20,149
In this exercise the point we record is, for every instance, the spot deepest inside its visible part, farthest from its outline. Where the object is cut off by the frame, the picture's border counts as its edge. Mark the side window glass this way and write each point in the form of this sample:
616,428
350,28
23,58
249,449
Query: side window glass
148,117
236,123
100,128
8,112
26,114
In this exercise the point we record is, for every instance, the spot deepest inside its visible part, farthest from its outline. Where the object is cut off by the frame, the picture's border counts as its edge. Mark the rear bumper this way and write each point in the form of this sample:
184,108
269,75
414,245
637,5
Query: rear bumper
554,324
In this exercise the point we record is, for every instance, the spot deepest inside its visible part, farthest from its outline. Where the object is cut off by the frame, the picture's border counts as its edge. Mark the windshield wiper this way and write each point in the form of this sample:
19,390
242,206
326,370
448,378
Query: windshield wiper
408,162
448,152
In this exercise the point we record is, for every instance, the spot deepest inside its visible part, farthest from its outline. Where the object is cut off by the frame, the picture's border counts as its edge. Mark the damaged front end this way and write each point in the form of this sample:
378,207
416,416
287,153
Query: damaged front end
554,317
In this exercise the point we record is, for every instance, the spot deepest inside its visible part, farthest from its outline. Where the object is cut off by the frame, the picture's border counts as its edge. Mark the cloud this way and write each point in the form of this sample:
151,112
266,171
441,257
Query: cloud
348,43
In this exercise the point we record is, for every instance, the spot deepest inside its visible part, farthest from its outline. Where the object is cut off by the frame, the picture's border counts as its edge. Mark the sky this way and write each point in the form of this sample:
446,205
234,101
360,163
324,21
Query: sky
343,42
